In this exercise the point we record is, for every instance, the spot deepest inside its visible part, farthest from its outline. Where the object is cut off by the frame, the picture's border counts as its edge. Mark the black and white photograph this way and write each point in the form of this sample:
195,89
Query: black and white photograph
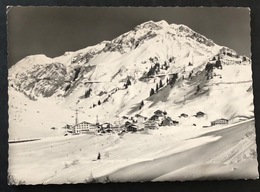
129,94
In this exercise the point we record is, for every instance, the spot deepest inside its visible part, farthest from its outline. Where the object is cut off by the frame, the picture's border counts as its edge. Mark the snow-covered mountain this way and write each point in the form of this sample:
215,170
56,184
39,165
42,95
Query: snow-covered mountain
113,78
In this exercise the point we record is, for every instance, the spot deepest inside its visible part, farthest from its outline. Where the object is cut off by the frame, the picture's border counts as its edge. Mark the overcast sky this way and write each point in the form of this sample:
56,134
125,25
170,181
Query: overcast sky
53,31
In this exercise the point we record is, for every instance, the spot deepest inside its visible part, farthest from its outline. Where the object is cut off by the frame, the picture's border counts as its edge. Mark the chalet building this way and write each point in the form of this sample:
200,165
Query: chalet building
108,130
105,130
83,128
155,118
199,114
229,52
150,124
183,115
169,122
116,127
140,118
219,122
68,128
160,113
127,123
105,125
131,128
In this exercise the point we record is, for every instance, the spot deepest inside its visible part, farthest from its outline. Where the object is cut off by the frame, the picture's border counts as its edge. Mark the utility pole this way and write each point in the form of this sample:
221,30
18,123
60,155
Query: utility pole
97,120
76,117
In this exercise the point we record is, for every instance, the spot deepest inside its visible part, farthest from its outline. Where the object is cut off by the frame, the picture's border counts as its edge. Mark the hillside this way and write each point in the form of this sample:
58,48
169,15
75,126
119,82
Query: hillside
96,80
158,103
168,154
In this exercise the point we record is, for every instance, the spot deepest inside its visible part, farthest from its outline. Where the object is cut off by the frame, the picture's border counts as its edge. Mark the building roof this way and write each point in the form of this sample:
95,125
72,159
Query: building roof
168,119
159,112
83,122
105,124
131,125
200,113
138,115
128,123
221,119
150,121
154,117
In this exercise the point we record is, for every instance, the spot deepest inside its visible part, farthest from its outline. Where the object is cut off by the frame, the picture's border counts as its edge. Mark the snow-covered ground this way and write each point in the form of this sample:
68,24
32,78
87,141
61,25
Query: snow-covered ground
45,92
171,153
30,119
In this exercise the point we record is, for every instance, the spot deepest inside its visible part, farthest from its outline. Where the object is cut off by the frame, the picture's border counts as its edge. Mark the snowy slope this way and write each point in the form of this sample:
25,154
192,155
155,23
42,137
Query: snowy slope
167,154
111,80
34,119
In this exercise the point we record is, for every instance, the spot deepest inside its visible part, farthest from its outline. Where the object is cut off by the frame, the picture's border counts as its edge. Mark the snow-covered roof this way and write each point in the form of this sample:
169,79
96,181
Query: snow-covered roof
138,115
83,122
221,119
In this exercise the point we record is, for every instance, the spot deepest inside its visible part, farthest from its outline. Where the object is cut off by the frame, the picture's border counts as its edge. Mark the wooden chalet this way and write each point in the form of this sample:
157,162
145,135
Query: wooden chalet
219,122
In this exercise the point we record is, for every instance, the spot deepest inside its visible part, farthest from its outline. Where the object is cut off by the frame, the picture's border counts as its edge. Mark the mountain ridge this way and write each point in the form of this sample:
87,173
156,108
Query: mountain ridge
96,78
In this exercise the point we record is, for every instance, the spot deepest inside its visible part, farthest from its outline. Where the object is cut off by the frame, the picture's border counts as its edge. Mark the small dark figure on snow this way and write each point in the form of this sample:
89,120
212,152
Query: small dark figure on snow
99,156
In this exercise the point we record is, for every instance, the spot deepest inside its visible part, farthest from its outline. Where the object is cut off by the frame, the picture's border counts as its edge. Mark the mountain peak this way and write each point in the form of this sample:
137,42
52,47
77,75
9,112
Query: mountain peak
162,23
153,25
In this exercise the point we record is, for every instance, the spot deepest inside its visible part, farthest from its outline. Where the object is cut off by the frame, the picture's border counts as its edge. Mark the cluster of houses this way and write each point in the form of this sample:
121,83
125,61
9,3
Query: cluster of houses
139,122
134,124
90,128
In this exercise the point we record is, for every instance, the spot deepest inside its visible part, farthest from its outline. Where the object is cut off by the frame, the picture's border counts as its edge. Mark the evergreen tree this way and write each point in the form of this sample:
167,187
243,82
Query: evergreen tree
198,88
218,64
141,105
173,80
151,92
150,72
190,75
157,66
161,85
99,103
128,82
87,93
66,88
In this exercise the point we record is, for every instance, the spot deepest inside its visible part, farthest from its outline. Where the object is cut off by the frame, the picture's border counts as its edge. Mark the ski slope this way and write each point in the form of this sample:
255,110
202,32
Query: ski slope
164,155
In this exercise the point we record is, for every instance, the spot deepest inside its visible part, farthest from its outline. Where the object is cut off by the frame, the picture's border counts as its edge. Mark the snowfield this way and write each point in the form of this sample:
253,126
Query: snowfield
154,67
221,152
